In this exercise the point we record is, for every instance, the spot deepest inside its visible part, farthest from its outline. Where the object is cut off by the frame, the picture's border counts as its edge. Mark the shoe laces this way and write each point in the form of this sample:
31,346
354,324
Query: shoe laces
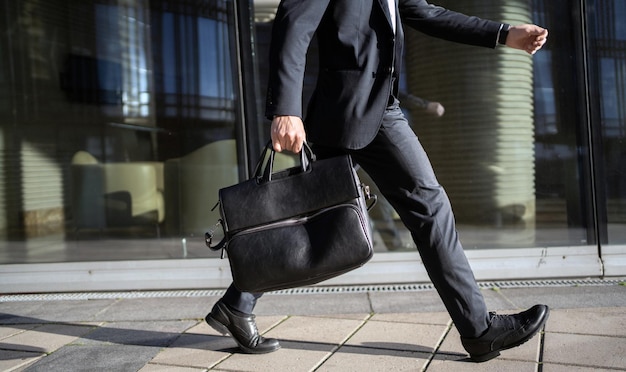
506,321
257,339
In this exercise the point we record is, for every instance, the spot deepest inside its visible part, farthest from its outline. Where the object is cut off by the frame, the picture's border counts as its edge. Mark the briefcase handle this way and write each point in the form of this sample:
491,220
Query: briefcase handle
265,174
262,175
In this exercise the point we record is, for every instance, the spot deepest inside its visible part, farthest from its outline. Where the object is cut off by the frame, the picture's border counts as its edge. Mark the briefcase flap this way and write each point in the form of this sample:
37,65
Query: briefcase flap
290,193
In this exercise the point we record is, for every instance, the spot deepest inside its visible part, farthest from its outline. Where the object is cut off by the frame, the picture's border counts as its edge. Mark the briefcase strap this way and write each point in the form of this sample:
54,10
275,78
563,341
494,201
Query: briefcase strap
208,238
369,197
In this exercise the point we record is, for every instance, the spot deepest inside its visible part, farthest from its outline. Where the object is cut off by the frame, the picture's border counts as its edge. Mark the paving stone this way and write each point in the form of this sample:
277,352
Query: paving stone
398,336
313,304
602,321
359,359
266,323
406,302
548,367
355,316
157,309
150,367
11,360
98,357
494,365
37,312
150,333
440,318
7,331
204,329
292,357
495,301
45,338
315,330
196,350
585,350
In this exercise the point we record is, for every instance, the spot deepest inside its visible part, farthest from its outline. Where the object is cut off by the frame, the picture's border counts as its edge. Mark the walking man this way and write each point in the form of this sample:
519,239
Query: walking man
355,109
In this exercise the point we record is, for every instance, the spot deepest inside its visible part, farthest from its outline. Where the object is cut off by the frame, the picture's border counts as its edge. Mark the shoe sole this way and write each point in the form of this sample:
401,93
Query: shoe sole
495,353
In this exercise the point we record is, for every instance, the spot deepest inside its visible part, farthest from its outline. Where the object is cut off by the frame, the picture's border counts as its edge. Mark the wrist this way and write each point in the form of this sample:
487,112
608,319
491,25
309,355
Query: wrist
503,33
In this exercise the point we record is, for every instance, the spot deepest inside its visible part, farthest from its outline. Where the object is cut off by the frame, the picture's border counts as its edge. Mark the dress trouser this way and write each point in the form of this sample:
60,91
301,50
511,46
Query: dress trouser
398,164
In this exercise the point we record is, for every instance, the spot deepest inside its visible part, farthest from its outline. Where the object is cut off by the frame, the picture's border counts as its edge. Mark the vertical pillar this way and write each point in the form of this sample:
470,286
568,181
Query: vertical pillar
483,147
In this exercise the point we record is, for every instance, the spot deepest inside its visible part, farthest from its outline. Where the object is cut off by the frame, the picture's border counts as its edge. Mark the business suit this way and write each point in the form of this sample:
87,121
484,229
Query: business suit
358,51
354,110
359,55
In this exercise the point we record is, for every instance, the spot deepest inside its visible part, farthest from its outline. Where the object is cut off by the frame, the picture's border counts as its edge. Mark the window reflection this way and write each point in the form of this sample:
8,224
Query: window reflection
118,127
118,124
121,35
608,56
193,71
506,150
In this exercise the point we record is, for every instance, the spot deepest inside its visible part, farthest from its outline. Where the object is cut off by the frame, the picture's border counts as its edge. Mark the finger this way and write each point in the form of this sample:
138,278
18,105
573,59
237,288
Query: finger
540,31
275,139
297,147
536,45
276,145
286,145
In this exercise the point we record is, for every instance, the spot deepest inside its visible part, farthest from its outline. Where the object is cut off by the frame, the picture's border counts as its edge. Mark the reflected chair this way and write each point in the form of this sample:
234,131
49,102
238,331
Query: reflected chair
116,194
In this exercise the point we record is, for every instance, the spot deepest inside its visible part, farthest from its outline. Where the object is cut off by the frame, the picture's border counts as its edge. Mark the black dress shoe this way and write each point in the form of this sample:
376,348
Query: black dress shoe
242,328
505,332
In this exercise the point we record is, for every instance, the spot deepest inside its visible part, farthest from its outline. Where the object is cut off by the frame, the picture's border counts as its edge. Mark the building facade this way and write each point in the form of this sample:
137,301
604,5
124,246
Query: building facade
121,119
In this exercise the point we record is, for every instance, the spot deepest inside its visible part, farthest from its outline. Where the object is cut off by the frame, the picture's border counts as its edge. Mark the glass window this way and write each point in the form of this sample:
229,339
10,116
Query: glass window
119,125
122,119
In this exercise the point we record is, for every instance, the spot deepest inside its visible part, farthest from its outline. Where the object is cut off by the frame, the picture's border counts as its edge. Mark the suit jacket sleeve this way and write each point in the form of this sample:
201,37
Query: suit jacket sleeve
449,25
295,23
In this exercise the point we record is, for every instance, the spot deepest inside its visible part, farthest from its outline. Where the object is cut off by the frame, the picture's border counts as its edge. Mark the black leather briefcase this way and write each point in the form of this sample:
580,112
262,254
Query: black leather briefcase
296,227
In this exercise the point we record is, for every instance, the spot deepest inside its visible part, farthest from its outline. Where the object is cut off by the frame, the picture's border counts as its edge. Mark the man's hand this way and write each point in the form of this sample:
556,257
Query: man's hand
435,108
288,133
529,38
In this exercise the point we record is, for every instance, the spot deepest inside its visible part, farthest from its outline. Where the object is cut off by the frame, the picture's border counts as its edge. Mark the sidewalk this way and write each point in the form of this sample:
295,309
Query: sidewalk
369,330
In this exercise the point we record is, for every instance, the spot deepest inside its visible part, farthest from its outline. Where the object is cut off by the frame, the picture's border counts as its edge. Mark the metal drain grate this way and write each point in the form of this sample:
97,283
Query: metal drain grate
304,290
108,295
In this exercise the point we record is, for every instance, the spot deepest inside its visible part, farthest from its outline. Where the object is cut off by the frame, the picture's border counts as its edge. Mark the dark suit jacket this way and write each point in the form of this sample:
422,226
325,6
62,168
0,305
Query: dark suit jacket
359,55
